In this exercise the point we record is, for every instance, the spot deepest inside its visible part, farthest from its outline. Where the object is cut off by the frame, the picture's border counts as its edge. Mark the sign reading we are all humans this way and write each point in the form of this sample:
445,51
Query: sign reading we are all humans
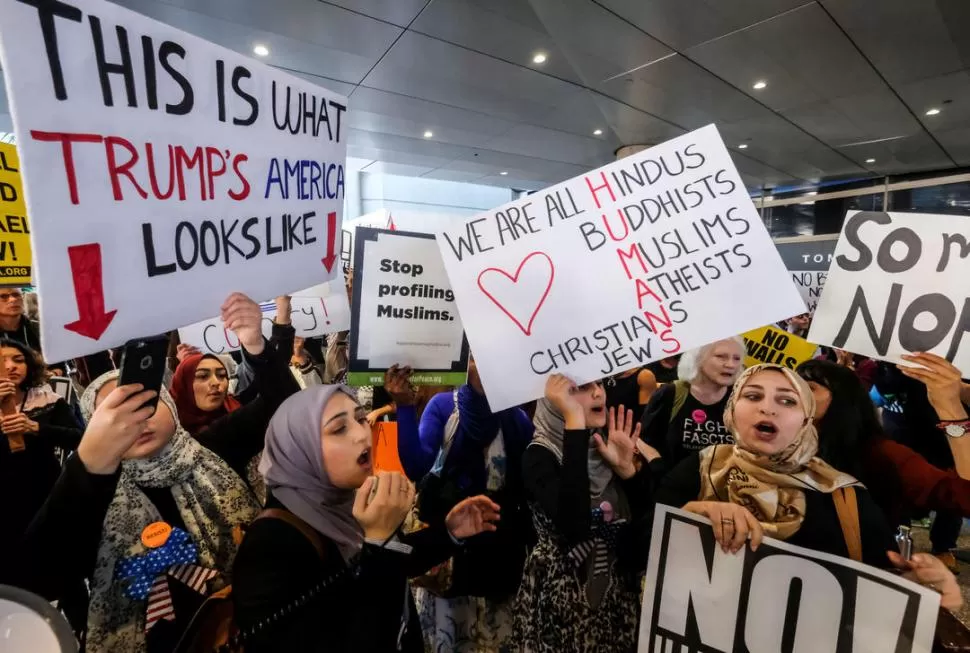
648,256
163,172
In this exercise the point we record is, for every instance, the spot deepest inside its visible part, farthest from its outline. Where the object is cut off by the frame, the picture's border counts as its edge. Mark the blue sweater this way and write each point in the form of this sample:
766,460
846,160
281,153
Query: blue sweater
418,444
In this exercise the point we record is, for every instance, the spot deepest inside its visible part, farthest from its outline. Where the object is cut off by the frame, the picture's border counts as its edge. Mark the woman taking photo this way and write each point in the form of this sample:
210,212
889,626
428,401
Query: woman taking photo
325,568
771,483
688,415
580,591
136,468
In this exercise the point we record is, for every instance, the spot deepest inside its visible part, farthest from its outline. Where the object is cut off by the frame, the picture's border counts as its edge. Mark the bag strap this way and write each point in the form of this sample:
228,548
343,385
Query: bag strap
847,507
297,523
451,428
681,391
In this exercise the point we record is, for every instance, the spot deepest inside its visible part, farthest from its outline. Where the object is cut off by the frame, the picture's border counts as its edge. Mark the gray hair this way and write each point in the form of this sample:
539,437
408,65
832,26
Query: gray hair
691,362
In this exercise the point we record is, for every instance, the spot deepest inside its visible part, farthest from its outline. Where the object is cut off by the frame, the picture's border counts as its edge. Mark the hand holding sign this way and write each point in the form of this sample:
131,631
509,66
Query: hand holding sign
243,316
942,381
731,523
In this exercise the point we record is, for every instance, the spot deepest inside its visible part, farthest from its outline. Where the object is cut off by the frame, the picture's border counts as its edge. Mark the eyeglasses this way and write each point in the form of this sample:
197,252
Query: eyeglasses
7,296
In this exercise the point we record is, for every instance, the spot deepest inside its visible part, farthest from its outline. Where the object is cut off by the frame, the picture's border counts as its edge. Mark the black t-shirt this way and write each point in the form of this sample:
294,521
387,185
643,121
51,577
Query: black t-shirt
623,391
694,427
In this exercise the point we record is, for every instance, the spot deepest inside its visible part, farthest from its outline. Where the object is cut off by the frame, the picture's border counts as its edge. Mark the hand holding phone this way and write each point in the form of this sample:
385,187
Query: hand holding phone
143,362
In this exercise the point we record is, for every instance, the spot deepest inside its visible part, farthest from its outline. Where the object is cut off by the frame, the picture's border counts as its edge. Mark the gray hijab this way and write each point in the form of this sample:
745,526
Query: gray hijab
293,468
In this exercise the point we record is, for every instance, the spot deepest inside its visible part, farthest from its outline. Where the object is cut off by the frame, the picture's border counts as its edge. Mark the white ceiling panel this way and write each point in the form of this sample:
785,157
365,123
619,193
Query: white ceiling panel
398,12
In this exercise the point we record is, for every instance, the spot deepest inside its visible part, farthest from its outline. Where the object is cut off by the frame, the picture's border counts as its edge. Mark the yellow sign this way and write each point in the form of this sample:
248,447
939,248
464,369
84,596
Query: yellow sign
772,345
15,257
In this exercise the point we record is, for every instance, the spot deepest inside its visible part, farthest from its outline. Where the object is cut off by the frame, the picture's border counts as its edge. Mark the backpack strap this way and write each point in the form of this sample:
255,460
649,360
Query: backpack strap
451,428
297,523
681,392
847,507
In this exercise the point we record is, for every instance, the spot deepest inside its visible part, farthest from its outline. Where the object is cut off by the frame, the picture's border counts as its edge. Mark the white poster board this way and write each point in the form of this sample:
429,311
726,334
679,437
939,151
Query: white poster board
380,219
163,172
656,253
743,602
325,312
403,311
899,283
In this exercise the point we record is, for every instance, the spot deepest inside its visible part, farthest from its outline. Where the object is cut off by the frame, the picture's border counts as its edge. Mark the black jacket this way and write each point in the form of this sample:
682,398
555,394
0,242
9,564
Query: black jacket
362,610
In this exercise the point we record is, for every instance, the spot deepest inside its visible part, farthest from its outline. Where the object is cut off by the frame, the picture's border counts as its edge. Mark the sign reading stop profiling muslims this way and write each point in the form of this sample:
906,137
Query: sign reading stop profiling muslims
653,254
699,598
898,284
403,311
14,231
163,172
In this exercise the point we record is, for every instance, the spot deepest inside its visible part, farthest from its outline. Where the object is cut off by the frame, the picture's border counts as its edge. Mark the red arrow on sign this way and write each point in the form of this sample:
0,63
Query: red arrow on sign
331,256
92,320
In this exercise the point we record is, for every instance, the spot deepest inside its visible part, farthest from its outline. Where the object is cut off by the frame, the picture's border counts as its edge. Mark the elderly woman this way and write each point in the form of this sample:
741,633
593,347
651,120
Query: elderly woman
771,482
687,415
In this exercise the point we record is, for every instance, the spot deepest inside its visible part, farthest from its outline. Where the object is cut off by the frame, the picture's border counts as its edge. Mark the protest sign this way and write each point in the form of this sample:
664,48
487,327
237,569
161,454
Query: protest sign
779,598
14,228
380,219
328,312
772,345
163,172
808,259
898,284
403,311
653,254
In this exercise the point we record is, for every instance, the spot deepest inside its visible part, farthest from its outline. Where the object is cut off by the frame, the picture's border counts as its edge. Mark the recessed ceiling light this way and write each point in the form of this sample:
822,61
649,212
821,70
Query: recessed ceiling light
260,50
814,192
503,173
539,57
743,146
933,111
428,134
870,160
597,132
760,84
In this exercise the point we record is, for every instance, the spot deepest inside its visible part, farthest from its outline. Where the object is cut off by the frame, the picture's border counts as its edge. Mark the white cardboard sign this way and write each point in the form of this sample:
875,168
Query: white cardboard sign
699,598
163,172
656,253
403,310
898,284
310,316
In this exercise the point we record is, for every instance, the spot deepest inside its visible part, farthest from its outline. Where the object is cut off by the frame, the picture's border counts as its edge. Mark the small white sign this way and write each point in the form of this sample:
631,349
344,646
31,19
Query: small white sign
656,253
163,172
699,598
403,308
898,284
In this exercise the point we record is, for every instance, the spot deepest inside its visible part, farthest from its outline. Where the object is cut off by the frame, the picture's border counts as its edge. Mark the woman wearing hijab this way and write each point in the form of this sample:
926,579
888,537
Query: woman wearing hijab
477,452
141,497
687,415
330,572
580,591
770,482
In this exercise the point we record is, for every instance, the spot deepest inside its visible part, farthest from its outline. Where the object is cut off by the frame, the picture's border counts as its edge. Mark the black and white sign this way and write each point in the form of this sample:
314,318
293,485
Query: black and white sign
403,311
779,598
807,259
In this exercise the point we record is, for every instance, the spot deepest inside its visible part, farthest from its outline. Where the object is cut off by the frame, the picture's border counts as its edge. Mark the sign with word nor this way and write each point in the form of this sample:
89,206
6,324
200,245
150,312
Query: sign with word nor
898,284
403,311
648,256
310,316
163,172
778,598
808,259
14,230
773,345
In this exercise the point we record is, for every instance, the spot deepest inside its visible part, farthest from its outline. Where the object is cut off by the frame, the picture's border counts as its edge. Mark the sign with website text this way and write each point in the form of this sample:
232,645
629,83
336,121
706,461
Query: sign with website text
808,259
648,256
773,345
898,284
403,311
310,316
778,598
14,229
163,172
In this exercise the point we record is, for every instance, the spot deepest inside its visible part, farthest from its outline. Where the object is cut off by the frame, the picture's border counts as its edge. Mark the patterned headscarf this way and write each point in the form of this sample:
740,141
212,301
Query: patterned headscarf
211,498
772,486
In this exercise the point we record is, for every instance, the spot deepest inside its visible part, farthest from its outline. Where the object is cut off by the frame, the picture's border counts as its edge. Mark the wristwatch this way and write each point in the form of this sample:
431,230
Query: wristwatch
955,429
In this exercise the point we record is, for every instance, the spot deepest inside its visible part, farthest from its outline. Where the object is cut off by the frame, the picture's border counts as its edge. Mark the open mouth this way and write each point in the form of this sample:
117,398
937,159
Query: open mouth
598,410
364,458
766,429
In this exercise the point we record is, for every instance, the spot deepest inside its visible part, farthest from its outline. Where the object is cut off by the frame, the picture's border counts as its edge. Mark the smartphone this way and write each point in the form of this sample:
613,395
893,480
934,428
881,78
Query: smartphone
143,361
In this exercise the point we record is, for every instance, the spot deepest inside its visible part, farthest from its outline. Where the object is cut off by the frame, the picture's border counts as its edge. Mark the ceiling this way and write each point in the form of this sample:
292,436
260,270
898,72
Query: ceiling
847,80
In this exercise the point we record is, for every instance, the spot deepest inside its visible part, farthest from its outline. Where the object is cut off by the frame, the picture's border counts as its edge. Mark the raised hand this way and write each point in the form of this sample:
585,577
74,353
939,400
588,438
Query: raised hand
183,351
559,391
942,381
397,382
382,515
620,447
473,516
242,316
114,427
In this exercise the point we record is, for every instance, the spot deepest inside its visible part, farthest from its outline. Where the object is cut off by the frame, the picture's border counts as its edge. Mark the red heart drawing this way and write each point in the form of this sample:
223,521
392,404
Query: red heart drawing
514,278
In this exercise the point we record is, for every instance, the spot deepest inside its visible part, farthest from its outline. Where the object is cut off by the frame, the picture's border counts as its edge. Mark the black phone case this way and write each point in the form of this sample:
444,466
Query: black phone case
143,361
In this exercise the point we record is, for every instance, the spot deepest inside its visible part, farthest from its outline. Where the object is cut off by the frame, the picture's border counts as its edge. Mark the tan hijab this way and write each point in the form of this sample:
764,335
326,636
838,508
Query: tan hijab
771,487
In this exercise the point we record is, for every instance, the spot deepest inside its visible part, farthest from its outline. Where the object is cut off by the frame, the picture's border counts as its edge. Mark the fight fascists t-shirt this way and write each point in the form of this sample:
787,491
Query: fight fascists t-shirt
694,427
